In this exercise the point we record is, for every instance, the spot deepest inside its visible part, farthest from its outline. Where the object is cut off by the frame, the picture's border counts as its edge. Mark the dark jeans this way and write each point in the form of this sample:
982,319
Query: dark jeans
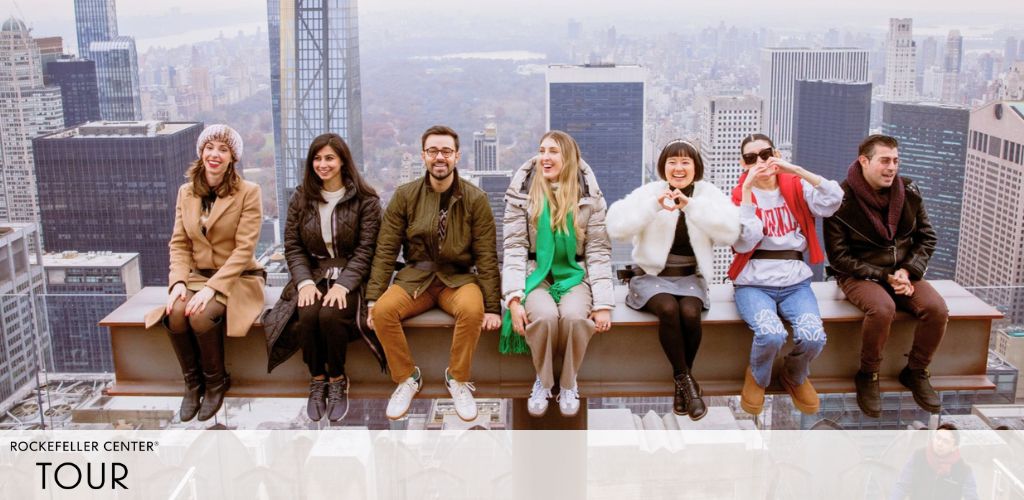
326,332
879,303
678,328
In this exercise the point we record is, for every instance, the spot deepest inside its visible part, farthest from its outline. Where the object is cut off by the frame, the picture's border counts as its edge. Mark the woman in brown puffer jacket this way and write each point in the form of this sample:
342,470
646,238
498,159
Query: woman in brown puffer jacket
330,236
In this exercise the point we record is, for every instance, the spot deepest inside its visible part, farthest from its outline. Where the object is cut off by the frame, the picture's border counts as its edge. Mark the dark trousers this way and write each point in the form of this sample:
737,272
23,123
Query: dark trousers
326,332
879,303
678,328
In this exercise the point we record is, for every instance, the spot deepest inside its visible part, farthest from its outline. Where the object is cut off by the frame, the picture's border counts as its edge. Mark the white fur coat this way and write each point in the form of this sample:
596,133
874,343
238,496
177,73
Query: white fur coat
711,219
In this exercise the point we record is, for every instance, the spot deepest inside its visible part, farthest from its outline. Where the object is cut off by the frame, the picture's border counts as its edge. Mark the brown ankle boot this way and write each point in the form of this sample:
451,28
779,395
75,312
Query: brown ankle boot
752,397
804,397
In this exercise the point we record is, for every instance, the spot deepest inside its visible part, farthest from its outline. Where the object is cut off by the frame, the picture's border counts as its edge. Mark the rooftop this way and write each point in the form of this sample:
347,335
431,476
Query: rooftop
122,129
87,259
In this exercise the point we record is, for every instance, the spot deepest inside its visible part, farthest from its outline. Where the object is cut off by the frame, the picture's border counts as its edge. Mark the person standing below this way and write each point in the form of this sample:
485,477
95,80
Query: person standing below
329,238
444,227
879,244
215,282
778,203
674,224
557,276
937,472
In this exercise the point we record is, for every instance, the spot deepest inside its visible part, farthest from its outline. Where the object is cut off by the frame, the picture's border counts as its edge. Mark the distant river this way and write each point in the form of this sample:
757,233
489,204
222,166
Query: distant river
503,55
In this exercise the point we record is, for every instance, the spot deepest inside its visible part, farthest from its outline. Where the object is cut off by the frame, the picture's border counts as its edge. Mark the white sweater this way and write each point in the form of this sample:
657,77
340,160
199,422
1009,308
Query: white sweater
711,218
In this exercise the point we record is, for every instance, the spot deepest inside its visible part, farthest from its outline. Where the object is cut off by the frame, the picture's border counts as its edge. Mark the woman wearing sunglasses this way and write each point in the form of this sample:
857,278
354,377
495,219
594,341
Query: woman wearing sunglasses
674,224
778,203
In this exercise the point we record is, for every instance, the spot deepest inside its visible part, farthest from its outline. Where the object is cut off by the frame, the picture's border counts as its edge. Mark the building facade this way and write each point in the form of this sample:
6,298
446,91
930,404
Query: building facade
28,108
992,232
82,289
101,196
95,21
79,93
900,63
782,67
485,149
933,143
724,121
117,76
24,342
314,80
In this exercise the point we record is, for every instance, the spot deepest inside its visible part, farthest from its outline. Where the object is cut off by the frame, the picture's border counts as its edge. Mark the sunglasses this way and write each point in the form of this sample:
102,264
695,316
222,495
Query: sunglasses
751,158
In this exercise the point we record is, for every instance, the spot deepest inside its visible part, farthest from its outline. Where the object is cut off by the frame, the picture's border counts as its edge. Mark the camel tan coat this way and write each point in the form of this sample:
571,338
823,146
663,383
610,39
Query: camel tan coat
233,229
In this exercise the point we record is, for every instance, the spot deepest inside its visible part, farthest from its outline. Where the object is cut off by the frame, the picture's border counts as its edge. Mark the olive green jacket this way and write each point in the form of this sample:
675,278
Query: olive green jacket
410,225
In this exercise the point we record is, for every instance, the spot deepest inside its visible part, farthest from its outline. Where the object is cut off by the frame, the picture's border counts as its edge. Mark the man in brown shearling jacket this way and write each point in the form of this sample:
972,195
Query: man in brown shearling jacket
445,228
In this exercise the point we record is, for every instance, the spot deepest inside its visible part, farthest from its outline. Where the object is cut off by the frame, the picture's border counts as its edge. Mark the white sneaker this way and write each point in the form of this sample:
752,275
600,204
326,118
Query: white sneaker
537,405
400,400
568,402
465,405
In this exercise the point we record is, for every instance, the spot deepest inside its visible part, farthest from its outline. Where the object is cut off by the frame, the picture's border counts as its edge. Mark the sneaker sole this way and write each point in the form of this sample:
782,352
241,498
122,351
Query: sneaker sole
464,419
536,415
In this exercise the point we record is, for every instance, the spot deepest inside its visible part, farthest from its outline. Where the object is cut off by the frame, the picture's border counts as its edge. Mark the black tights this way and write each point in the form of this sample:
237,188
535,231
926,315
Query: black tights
678,328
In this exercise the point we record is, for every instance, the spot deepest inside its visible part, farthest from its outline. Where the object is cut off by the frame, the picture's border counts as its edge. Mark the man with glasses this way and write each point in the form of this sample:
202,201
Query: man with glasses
878,246
445,228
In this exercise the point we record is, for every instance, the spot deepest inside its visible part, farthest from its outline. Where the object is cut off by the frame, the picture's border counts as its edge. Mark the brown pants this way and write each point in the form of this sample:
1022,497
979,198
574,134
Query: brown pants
559,332
465,303
879,303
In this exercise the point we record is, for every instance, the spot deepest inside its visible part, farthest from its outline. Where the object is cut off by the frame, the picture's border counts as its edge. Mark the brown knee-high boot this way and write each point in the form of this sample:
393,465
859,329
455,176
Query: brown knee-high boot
211,353
187,351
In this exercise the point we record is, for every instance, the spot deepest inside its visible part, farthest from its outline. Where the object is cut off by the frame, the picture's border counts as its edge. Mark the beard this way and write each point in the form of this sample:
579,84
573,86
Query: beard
443,176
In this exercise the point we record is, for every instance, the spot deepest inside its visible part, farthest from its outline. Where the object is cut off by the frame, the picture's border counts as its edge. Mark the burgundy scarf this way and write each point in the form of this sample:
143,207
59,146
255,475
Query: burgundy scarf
941,465
874,203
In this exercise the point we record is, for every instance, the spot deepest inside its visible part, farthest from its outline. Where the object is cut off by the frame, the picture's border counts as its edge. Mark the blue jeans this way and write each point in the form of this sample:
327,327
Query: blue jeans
760,307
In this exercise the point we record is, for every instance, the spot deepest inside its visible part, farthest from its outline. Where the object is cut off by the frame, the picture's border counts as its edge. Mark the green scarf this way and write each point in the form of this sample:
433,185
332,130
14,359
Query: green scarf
556,254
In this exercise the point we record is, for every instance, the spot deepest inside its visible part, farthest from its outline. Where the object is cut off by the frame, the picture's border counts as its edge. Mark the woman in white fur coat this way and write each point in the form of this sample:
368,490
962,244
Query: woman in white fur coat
673,224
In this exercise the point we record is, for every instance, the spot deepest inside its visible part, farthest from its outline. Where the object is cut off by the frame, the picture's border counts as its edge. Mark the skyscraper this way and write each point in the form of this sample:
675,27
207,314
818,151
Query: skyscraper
900,65
51,48
830,119
485,149
494,183
933,142
314,80
724,121
602,107
78,91
28,108
24,343
81,289
782,67
117,72
113,186
95,20
951,68
992,235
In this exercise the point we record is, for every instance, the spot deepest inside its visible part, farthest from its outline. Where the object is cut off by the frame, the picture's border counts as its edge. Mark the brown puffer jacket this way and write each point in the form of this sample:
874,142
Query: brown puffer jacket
410,225
594,248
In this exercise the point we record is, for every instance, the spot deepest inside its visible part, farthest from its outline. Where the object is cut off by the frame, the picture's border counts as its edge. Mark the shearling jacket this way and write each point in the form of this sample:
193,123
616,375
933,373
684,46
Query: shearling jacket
711,218
855,249
232,230
521,237
410,226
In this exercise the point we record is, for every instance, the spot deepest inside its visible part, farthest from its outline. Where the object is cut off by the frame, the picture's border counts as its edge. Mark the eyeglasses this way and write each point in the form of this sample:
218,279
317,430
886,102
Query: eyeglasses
751,158
433,152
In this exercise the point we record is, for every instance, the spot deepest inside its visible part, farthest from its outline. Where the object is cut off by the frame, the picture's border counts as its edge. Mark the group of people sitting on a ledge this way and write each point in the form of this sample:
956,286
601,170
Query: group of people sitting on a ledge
556,285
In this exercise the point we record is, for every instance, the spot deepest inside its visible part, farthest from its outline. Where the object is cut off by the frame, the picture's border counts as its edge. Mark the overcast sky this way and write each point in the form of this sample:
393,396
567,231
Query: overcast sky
56,17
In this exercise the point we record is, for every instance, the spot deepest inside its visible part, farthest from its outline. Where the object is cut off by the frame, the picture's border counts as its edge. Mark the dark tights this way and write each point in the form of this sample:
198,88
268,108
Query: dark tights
678,328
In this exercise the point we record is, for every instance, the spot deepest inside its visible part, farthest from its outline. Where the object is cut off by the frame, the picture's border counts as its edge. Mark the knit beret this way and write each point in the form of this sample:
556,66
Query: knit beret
222,133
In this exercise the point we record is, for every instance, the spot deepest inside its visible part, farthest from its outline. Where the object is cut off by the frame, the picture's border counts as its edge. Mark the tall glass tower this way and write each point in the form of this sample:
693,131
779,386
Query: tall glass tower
314,77
95,21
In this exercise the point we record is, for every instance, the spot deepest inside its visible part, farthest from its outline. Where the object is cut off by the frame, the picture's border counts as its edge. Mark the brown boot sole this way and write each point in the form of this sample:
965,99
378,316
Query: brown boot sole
751,408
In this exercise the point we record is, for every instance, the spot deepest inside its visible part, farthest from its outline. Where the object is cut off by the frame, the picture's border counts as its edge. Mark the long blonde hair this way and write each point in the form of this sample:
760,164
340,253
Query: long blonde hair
564,200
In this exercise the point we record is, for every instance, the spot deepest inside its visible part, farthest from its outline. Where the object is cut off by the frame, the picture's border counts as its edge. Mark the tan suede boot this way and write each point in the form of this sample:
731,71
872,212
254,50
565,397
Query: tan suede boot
804,397
752,397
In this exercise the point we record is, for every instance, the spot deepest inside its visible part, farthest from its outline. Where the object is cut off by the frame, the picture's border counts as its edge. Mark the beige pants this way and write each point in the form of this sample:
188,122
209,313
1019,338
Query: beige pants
558,334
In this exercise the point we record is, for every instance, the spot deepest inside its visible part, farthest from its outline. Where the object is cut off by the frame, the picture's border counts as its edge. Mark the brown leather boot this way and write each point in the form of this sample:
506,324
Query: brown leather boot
752,397
185,348
804,397
211,353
